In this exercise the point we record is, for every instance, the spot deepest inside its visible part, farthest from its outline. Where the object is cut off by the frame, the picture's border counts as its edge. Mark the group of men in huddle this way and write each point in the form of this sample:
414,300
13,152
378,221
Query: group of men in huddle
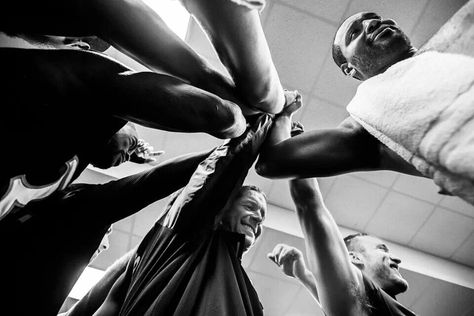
71,108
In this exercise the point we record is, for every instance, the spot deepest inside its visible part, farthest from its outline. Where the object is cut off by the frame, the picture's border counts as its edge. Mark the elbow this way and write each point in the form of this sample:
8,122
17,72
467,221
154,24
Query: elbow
231,122
264,168
268,97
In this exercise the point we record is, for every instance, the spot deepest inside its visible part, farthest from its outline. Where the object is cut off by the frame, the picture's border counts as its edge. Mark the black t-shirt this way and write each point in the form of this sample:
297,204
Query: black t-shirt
184,266
176,274
51,123
382,304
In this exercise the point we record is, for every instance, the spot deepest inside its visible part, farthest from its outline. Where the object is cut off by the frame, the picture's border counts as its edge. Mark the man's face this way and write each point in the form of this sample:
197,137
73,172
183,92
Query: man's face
371,44
245,216
380,265
118,149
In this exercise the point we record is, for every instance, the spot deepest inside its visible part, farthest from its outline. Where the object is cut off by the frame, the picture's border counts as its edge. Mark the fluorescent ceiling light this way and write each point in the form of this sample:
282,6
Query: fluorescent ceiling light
173,13
86,281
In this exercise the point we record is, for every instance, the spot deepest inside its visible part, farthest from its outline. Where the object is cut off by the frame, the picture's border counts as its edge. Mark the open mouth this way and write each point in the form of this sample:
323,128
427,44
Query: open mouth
394,266
250,228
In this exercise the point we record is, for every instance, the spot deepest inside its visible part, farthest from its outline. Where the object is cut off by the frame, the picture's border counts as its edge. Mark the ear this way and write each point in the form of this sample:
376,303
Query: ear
348,70
356,259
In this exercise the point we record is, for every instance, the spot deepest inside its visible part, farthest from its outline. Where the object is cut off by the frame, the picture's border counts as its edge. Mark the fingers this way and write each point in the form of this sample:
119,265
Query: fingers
156,153
293,102
146,151
283,254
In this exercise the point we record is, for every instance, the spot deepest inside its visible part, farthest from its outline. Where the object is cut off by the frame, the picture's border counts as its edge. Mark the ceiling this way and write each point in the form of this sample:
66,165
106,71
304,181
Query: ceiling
404,210
401,209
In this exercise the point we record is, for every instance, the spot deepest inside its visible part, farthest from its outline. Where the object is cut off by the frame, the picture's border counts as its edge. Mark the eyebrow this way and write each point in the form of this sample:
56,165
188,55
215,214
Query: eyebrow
364,17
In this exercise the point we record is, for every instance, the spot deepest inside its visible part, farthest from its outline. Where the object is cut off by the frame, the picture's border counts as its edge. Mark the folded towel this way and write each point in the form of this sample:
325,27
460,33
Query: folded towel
423,109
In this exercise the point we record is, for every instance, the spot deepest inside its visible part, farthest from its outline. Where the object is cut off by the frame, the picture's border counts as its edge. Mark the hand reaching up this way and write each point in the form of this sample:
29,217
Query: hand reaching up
144,153
290,260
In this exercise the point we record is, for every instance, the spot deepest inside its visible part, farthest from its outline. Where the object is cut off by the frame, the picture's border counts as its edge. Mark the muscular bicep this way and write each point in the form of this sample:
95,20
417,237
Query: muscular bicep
338,281
324,152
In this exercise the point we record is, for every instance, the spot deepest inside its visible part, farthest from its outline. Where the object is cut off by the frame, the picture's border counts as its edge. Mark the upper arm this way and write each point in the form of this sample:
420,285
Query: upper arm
324,152
338,280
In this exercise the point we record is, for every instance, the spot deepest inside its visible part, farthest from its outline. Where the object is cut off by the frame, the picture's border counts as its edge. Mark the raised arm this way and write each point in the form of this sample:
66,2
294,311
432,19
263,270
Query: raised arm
326,152
338,281
138,31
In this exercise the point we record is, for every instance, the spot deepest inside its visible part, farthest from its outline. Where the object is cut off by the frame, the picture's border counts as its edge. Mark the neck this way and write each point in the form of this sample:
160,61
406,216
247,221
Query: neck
407,54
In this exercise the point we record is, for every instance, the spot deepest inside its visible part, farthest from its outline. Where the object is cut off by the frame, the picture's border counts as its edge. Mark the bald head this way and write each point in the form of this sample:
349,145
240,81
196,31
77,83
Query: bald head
365,45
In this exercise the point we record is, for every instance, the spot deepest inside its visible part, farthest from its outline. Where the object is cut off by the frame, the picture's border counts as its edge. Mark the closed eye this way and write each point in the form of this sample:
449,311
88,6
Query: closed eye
383,247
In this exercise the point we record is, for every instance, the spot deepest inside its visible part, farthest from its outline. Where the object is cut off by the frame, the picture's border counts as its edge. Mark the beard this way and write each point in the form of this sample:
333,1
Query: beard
390,281
383,53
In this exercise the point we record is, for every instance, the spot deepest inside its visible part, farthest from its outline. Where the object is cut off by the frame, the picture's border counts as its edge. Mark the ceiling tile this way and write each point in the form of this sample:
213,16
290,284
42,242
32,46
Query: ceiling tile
304,305
405,12
275,294
437,12
298,59
146,218
135,241
280,194
177,144
353,201
269,239
155,138
320,114
325,185
94,177
418,187
458,205
399,218
331,10
465,253
443,233
383,178
332,85
119,243
125,225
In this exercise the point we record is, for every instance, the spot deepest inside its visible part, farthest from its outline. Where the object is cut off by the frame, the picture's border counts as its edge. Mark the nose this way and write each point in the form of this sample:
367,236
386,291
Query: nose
389,22
371,25
256,218
395,259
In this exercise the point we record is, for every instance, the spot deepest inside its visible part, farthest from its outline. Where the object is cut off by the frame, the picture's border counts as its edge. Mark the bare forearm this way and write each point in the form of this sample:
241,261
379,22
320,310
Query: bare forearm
329,260
319,153
309,282
280,131
136,30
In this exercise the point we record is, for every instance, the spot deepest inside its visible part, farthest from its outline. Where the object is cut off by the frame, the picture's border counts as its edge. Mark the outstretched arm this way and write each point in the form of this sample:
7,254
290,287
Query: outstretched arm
326,152
138,31
338,280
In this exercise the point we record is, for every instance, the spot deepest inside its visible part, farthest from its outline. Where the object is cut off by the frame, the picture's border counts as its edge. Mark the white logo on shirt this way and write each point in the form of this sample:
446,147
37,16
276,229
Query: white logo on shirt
20,192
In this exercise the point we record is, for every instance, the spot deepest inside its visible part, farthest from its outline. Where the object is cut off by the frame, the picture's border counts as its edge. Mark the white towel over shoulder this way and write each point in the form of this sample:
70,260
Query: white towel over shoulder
423,109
